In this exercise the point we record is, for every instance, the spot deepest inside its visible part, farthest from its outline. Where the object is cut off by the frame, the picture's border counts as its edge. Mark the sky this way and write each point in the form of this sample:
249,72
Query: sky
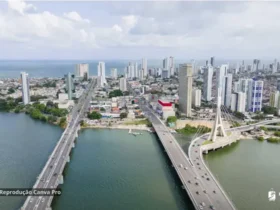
132,30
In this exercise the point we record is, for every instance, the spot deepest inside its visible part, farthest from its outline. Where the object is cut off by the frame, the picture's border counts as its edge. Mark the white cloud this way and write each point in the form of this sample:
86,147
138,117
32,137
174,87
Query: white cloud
75,16
20,6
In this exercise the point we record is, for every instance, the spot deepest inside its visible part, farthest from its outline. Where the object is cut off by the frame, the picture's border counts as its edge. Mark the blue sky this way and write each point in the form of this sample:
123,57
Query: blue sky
132,30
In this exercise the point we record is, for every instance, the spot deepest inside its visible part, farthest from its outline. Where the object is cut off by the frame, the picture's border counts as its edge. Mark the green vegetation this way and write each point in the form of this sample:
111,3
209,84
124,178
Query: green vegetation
47,84
239,115
94,115
263,128
277,133
273,140
102,109
11,90
62,122
123,115
207,142
269,110
37,97
171,119
235,124
187,130
259,117
115,93
260,138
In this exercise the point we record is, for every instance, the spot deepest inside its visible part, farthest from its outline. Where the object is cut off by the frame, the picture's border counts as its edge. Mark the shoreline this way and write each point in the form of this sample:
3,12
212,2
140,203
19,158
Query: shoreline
118,127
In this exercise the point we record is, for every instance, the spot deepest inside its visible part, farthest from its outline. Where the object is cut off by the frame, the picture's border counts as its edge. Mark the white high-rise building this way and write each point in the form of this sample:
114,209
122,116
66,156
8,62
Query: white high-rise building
82,70
238,102
196,97
275,99
144,66
69,80
236,86
207,83
166,64
172,65
102,73
114,73
123,84
25,88
274,67
136,72
141,74
185,89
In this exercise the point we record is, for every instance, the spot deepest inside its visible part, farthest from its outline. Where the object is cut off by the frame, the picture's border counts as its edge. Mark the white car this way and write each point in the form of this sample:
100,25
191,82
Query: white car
185,168
180,165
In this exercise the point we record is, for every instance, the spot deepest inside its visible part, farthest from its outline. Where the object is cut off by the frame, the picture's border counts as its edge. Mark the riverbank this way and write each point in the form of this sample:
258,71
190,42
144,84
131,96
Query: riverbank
121,127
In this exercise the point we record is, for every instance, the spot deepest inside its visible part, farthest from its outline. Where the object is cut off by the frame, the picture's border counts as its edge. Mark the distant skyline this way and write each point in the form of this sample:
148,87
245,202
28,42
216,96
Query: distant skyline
132,30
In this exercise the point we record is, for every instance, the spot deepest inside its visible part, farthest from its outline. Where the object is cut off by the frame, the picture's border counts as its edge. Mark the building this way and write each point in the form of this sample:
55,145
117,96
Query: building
274,67
69,80
278,84
171,65
212,61
144,66
136,71
256,63
238,102
227,88
114,73
165,109
165,74
196,97
207,83
185,89
221,77
123,84
25,88
141,74
82,70
274,99
101,73
255,93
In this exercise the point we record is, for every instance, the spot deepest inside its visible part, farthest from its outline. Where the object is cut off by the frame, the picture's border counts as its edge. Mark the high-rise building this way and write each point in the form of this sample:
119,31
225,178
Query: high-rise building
136,72
114,73
25,88
102,73
165,74
82,70
172,65
236,86
69,80
207,83
212,61
123,84
256,63
274,99
141,74
227,88
220,77
144,66
238,101
185,88
196,97
278,84
274,68
255,93
168,64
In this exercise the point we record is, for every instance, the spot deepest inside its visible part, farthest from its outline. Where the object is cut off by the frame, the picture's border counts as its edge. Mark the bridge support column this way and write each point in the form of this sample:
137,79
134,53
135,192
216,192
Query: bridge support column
76,134
68,159
60,179
73,145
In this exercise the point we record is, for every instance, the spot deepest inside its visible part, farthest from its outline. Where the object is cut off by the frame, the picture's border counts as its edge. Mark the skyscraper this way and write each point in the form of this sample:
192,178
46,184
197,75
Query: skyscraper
256,63
212,60
220,77
238,102
207,83
196,97
101,73
82,70
185,88
144,66
274,67
69,80
136,72
123,84
172,65
274,99
255,92
25,88
114,73
227,88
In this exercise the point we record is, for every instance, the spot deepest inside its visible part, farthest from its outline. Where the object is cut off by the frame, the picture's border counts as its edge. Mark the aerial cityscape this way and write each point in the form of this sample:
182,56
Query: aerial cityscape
138,116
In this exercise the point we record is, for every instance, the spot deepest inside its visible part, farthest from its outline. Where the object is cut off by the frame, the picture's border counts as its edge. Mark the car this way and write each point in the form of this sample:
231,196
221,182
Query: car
31,200
51,166
196,183
185,168
208,179
214,191
205,174
189,181
212,207
198,164
202,176
170,141
180,165
203,204
200,207
196,151
197,192
205,191
43,200
197,158
199,168
55,174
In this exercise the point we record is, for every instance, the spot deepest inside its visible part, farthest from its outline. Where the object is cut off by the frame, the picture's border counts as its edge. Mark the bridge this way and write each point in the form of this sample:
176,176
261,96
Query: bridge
51,175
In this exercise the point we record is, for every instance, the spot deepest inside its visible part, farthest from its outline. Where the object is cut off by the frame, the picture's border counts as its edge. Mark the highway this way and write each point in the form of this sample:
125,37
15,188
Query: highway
205,194
51,175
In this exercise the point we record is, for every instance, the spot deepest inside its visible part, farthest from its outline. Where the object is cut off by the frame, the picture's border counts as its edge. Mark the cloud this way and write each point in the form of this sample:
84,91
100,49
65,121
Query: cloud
75,16
20,6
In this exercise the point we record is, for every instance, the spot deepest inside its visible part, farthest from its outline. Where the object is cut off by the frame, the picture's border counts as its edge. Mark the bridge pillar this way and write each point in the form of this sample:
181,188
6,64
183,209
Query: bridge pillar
76,135
73,145
68,159
60,179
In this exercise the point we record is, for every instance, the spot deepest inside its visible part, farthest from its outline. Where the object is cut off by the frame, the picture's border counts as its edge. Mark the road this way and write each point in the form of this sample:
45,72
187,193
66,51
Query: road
205,194
51,175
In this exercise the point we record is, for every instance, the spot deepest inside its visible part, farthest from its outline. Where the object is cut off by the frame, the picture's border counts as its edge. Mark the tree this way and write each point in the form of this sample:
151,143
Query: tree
62,122
123,115
115,93
239,115
94,115
11,90
269,110
82,123
102,109
171,119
